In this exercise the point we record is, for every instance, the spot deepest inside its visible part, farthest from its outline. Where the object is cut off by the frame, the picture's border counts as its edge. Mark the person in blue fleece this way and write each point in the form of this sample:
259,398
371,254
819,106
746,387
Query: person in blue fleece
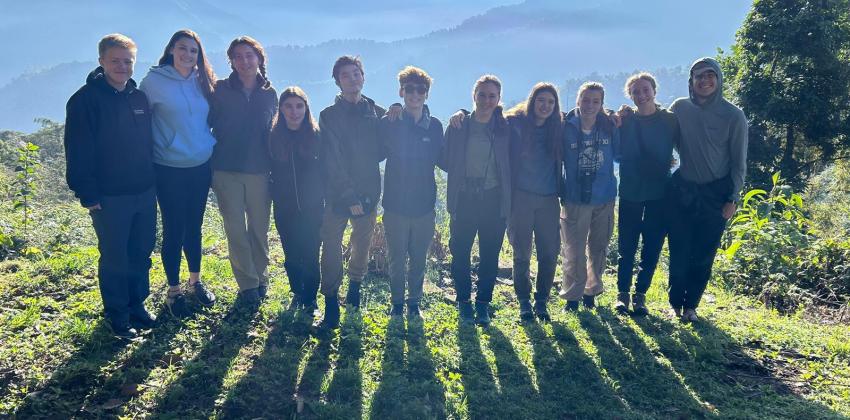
706,188
179,90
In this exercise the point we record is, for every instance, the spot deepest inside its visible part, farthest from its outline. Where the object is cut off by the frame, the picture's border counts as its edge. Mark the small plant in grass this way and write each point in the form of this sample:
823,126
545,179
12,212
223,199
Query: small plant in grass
24,184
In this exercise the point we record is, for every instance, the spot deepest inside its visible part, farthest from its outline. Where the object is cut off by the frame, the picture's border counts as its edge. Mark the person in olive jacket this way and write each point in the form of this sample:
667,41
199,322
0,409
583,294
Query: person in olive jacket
109,156
241,115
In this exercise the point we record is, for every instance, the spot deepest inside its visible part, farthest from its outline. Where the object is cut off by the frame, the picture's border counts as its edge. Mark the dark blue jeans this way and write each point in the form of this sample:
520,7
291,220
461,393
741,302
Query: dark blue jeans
476,215
182,195
636,220
126,233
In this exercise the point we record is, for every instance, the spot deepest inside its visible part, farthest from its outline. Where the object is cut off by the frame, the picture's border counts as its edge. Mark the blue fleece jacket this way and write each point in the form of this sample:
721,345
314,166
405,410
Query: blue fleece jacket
181,134
594,153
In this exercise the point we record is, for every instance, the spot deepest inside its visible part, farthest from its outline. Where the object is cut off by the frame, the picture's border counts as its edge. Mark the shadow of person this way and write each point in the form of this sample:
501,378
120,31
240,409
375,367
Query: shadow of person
268,389
195,391
482,395
390,399
82,385
345,391
514,380
721,371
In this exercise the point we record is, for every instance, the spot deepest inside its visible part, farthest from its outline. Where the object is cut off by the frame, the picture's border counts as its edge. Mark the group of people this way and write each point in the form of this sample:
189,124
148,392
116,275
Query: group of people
544,176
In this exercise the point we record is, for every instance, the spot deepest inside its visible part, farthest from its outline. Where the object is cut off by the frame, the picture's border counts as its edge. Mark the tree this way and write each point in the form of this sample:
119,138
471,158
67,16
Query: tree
790,71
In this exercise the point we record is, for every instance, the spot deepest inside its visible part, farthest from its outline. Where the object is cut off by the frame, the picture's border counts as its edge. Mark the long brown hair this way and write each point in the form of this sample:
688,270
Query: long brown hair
306,138
206,77
553,124
255,45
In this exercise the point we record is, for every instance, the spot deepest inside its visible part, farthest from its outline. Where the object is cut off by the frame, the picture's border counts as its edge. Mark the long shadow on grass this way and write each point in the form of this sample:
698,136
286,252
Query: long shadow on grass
519,398
483,399
719,370
648,387
267,389
345,392
80,386
408,386
194,392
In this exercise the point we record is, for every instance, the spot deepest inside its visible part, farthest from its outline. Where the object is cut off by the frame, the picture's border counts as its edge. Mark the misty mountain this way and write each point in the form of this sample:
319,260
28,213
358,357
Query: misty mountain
522,44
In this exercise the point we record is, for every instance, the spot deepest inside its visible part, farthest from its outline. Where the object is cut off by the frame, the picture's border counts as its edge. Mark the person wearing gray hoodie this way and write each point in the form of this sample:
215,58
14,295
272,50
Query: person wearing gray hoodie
705,189
179,90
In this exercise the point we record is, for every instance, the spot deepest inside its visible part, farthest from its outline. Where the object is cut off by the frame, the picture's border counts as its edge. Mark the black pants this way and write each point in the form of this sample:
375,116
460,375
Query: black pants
476,215
636,220
694,236
182,195
126,233
299,236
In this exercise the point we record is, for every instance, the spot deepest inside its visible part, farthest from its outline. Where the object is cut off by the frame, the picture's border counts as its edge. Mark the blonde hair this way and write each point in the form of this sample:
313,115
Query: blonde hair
115,40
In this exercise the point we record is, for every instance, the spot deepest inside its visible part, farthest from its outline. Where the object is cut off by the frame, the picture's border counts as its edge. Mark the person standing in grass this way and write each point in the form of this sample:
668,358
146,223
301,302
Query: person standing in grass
647,138
413,147
478,195
537,151
297,190
349,131
109,151
241,115
706,188
180,89
592,144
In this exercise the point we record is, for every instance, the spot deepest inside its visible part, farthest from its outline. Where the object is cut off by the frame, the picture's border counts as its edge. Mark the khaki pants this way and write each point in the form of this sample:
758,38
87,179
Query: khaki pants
333,228
408,240
585,231
534,217
245,206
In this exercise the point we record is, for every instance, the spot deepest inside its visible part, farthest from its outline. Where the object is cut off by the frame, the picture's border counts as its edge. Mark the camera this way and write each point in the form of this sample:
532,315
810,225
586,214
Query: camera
585,181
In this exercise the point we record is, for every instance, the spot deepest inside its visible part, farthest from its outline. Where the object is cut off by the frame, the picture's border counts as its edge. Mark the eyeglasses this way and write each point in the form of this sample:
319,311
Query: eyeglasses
420,89
708,75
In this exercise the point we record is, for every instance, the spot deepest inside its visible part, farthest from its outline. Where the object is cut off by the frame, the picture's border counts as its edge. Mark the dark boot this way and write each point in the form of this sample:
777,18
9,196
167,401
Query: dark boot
353,296
622,304
589,301
140,318
465,312
639,304
571,306
526,313
413,312
541,310
331,319
482,313
397,310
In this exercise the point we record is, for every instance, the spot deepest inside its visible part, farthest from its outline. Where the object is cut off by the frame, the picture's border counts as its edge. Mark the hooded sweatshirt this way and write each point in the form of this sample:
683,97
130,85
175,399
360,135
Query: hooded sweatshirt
713,140
108,145
241,125
181,134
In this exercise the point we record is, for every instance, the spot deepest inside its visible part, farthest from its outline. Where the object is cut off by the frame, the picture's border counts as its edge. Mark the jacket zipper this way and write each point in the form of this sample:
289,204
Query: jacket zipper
295,179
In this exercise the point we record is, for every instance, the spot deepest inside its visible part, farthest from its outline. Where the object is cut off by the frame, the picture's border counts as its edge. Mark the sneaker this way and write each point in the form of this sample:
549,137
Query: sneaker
294,304
526,313
413,312
353,296
397,310
176,304
571,306
465,312
263,290
142,319
123,331
690,315
622,304
541,310
331,318
639,304
482,313
205,296
677,311
589,301
310,308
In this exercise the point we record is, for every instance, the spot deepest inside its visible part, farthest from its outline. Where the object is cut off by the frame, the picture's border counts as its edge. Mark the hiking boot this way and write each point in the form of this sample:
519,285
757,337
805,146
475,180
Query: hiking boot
249,298
639,304
589,301
140,318
263,290
465,312
690,315
353,296
205,296
622,304
294,304
331,319
397,310
310,308
677,311
526,313
571,306
482,313
541,310
176,304
413,312
123,330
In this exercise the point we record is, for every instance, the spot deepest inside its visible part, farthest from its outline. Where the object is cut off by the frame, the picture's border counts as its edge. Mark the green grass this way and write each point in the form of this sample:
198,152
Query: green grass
58,360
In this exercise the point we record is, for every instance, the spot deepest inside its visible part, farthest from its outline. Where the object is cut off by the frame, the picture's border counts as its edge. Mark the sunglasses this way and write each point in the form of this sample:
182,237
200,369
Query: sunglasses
420,89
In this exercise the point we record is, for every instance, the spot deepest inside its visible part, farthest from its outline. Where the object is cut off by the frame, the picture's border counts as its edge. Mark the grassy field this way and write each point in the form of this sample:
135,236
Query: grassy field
58,360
